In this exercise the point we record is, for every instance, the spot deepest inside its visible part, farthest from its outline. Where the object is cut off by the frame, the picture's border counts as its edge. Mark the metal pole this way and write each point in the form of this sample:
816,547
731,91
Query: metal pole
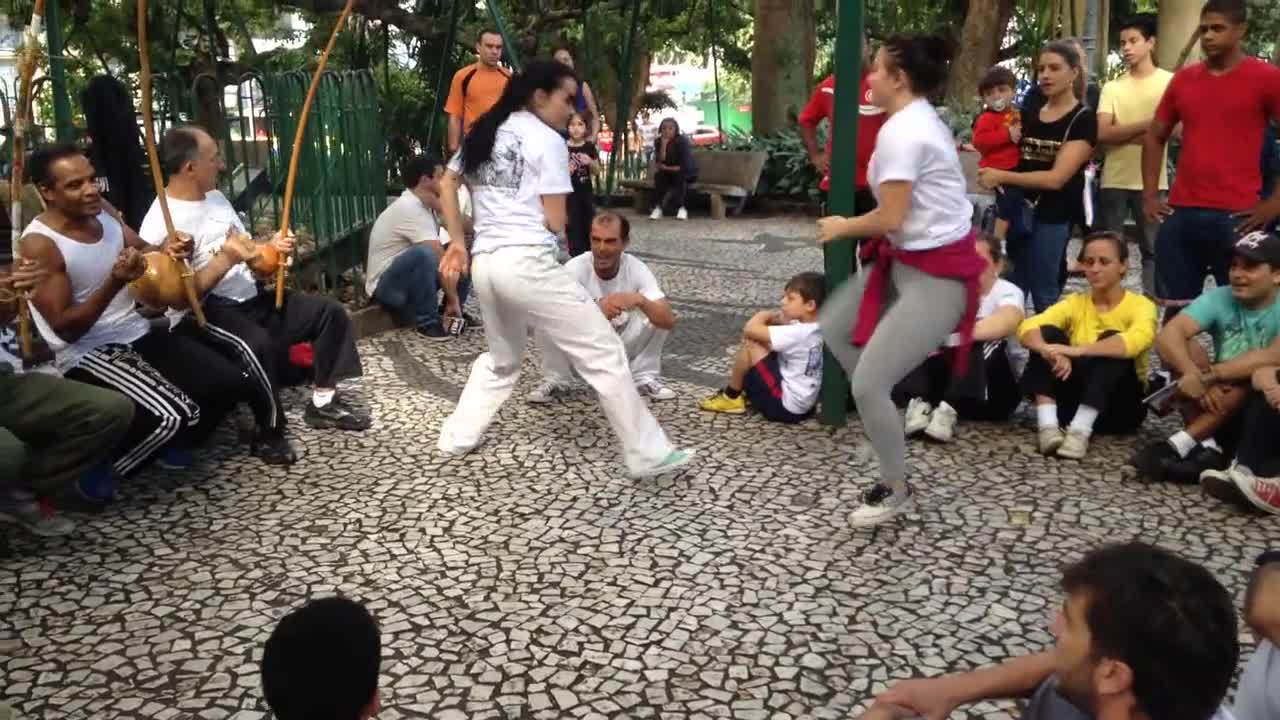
715,63
837,257
508,48
58,74
443,71
624,102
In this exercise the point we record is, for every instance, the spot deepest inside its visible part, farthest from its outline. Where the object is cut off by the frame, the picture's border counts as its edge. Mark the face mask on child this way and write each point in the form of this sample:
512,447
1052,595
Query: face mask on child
999,104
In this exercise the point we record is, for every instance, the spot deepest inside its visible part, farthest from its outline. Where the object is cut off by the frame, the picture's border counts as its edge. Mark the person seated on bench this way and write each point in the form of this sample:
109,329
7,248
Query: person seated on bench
1253,480
988,390
1244,322
675,170
1088,366
405,246
628,294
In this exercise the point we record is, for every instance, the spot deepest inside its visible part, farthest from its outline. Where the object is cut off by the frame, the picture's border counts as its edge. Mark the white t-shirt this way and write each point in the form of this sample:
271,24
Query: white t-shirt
1258,695
915,146
206,221
799,349
529,160
1002,294
403,224
633,276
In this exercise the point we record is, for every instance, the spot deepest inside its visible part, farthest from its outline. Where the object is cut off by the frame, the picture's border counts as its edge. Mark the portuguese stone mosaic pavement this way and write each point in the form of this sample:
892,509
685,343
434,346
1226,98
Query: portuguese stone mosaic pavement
533,580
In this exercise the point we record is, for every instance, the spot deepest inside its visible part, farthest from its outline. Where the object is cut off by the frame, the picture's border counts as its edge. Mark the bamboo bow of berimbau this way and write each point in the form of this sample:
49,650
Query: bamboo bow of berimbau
27,61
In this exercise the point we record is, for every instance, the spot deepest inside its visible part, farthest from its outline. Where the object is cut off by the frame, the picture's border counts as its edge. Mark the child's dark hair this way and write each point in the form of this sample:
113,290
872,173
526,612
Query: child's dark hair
811,286
545,75
994,246
998,76
1237,11
923,58
418,167
1116,239
1144,24
583,115
322,661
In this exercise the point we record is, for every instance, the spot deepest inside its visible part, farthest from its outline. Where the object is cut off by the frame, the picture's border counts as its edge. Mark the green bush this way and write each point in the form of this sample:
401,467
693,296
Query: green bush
788,173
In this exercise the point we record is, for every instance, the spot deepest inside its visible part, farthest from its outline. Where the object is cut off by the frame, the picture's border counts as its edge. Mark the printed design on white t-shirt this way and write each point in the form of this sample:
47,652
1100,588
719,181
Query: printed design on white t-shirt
813,366
8,342
505,169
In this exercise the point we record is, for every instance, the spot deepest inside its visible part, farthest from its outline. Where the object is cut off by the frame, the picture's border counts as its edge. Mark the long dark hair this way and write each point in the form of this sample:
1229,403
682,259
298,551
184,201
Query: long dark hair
545,75
117,153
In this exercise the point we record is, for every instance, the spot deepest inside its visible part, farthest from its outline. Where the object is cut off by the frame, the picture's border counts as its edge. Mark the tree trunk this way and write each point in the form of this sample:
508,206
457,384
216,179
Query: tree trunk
984,26
1178,22
782,61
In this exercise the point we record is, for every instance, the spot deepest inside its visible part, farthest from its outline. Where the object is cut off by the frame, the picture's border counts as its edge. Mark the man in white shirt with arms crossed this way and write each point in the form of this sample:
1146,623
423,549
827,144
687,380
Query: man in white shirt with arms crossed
628,294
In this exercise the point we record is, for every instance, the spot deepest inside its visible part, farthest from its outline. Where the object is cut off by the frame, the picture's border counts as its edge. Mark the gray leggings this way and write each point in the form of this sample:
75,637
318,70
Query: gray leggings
925,309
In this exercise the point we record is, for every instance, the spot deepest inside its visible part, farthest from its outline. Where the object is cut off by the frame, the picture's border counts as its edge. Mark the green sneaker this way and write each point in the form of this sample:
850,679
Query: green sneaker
673,462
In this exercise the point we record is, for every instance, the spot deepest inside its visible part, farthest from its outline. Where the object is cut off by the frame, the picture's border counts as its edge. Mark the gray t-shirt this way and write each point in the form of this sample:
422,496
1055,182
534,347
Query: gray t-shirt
404,223
1048,704
1258,696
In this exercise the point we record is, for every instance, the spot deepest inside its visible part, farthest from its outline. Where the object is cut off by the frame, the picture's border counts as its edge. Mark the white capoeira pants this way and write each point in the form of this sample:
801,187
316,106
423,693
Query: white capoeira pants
522,288
642,341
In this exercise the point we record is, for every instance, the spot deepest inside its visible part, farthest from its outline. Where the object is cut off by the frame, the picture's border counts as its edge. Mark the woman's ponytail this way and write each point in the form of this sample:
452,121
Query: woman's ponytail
545,75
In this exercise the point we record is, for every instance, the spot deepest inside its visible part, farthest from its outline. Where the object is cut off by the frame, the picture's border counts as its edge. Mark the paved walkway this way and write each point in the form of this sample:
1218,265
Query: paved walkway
533,580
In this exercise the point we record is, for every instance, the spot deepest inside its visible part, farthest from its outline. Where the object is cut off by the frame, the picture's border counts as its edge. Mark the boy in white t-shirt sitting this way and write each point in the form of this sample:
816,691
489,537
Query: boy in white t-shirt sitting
778,369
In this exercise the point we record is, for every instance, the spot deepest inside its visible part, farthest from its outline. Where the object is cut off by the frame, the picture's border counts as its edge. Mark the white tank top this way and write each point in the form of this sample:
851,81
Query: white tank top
88,268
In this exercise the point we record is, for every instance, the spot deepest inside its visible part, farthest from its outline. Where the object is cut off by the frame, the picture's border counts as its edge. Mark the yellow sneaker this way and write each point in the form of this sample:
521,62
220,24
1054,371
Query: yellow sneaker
724,404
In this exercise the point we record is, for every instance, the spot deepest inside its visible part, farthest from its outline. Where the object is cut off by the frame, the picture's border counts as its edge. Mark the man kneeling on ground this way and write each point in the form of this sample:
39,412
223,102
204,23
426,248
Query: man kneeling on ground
627,292
1244,322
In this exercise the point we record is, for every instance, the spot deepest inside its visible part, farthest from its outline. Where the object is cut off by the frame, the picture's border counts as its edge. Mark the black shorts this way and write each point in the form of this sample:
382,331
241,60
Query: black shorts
763,387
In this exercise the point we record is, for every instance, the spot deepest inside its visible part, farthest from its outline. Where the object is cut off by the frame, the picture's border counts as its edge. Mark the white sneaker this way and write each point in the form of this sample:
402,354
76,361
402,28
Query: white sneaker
880,504
655,390
917,416
942,423
682,214
656,214
447,445
1050,439
547,391
25,509
1075,446
1264,493
1221,485
671,463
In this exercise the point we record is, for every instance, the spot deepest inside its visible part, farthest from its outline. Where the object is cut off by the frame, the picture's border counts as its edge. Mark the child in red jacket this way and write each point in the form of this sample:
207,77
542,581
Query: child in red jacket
996,135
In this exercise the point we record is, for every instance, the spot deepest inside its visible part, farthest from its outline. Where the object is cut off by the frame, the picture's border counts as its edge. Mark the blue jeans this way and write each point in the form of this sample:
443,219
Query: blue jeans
410,287
1037,254
1192,243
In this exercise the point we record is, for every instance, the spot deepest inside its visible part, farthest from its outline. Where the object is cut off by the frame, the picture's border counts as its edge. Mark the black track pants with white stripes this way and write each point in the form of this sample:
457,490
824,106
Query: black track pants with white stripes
256,388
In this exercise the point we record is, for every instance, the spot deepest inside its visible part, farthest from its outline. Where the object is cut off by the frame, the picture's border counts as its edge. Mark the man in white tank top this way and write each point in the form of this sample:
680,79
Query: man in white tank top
236,304
84,311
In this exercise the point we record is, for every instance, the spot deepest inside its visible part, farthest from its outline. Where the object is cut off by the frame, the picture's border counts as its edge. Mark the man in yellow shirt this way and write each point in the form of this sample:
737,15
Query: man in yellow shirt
1125,110
476,87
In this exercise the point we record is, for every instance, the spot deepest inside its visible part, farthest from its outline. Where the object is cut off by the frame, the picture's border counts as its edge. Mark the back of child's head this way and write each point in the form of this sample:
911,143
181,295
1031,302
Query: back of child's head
321,662
810,286
997,76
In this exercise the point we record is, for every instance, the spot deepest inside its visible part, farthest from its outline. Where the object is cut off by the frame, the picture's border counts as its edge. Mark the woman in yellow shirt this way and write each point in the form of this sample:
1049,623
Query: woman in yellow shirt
1089,354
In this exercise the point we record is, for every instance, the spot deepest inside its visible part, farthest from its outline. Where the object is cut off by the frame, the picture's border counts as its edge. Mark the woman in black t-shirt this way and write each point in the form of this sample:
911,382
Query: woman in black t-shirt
1057,141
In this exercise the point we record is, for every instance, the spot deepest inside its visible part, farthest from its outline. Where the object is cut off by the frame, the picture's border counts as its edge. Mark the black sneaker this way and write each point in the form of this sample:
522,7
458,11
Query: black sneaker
880,504
1187,471
434,331
335,415
273,448
1153,460
472,320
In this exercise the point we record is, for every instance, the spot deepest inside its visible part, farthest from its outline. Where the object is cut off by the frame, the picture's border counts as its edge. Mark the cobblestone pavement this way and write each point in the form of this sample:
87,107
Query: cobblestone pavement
533,580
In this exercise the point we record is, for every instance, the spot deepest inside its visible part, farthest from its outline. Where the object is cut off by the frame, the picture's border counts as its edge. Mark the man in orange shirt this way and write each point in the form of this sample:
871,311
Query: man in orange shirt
476,88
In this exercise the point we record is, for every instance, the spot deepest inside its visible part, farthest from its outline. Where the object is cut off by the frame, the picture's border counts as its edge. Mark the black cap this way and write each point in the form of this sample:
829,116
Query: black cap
1259,246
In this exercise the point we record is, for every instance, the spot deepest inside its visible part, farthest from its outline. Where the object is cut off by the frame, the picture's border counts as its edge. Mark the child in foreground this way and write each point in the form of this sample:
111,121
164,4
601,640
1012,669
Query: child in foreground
322,661
778,368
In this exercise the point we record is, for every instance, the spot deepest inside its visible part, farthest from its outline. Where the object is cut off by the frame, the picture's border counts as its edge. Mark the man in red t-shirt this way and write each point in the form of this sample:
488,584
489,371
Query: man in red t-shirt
1224,105
822,107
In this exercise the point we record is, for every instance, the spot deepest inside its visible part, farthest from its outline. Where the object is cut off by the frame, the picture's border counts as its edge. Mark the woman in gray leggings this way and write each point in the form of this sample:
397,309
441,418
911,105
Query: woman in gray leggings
925,252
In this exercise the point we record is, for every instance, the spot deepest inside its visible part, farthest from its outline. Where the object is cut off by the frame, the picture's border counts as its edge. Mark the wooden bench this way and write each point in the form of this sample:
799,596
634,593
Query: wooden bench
722,174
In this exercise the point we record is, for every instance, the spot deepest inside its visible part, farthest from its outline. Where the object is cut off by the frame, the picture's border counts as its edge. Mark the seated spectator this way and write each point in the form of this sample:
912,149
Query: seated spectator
322,661
1258,694
1142,634
675,170
52,431
1253,480
778,369
629,295
1244,321
405,246
996,134
1088,368
989,388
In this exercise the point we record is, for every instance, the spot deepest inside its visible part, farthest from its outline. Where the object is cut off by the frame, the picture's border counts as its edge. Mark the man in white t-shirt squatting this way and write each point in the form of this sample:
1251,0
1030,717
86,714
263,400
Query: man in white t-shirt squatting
628,294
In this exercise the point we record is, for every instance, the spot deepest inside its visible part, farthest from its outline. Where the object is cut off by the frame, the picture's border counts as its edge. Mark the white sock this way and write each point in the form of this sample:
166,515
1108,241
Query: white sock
320,398
1047,415
1182,443
1212,444
1083,421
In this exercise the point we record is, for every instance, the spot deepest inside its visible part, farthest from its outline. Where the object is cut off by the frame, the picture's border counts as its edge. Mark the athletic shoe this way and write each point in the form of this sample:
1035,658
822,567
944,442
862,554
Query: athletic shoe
942,423
722,403
273,448
1153,460
175,458
1187,471
447,445
656,214
1220,485
917,420
472,321
336,415
673,462
98,484
655,390
1075,446
1050,439
433,331
881,504
1263,493
547,391
35,514
682,214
